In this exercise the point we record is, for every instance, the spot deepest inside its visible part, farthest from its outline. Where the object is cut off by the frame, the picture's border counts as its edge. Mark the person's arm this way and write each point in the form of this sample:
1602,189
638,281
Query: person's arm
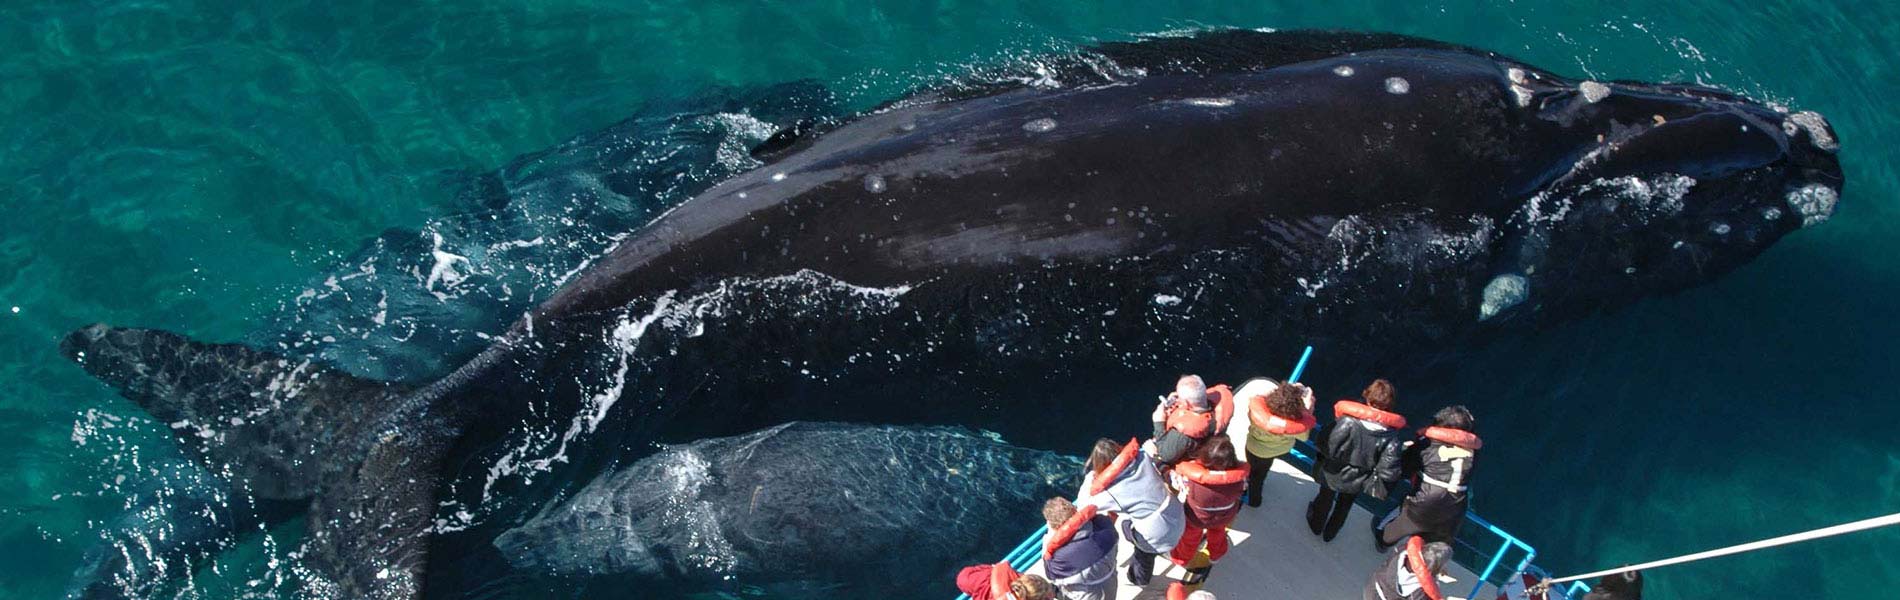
1413,459
1172,446
1388,470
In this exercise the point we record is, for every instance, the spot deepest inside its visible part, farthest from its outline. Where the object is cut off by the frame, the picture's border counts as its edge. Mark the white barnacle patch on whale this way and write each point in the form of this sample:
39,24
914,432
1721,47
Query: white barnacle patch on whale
1210,102
1719,228
1343,71
874,183
1816,126
779,176
1593,92
1397,85
1519,89
1502,293
1043,125
1814,202
1167,300
1771,213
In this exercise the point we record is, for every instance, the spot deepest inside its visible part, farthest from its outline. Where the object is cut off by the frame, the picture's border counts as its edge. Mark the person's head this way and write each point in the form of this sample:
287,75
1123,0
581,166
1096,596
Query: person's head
1380,395
1454,417
1621,586
1288,402
1032,587
1104,453
1192,390
1218,454
1057,510
1201,595
1436,555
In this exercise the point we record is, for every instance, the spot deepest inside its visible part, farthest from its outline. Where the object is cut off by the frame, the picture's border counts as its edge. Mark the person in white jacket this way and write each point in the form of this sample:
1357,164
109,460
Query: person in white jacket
1121,479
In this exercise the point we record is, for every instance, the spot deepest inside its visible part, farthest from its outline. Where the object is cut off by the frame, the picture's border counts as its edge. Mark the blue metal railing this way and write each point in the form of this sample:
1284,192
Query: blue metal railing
1029,552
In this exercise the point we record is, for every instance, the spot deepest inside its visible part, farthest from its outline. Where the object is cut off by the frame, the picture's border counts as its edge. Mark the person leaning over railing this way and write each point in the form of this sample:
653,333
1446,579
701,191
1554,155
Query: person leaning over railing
1359,454
1000,582
1440,464
1079,553
1277,420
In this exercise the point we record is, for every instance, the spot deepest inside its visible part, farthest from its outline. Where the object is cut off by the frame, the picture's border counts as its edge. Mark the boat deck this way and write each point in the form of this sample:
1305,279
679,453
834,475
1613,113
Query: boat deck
1274,555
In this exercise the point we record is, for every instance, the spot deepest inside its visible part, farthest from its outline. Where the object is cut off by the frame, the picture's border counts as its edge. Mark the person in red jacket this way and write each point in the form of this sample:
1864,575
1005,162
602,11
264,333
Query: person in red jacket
1213,484
1000,582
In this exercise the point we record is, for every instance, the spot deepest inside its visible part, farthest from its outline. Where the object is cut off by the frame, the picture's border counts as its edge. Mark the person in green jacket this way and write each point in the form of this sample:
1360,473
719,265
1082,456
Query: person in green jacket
1277,420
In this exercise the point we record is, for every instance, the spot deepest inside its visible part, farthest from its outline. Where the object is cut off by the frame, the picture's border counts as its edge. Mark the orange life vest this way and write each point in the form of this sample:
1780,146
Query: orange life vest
1456,437
1196,472
1357,410
1105,476
1265,420
1060,536
1415,558
1197,425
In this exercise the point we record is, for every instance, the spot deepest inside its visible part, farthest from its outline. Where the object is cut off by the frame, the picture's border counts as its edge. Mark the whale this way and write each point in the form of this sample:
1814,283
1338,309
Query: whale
1172,200
799,501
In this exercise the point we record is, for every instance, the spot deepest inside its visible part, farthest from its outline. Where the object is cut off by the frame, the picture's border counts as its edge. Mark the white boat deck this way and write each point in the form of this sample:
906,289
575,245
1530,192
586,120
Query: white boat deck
1273,555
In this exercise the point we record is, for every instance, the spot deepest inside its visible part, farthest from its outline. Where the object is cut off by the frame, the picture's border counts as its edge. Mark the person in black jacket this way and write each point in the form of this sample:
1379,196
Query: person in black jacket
1440,464
1359,454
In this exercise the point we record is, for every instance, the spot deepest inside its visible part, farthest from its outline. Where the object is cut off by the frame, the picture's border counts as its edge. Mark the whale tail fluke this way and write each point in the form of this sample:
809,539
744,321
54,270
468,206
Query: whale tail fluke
365,458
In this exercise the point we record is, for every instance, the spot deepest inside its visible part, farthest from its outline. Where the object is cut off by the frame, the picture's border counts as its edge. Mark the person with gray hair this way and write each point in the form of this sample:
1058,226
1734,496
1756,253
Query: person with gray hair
1188,416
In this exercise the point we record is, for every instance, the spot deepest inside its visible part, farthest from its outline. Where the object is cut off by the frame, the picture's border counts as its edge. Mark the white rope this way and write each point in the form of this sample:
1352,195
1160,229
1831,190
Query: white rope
1863,525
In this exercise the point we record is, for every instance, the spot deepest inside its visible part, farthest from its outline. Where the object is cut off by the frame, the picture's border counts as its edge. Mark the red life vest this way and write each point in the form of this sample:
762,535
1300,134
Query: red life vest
1197,425
1001,575
1196,472
1415,559
1265,420
1105,476
1357,410
1456,437
1060,536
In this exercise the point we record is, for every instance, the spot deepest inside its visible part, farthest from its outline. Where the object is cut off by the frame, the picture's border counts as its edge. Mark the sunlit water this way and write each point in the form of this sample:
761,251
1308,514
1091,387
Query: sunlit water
204,167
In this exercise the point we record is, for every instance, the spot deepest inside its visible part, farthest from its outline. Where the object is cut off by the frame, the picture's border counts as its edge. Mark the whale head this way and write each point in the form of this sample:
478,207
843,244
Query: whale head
1671,186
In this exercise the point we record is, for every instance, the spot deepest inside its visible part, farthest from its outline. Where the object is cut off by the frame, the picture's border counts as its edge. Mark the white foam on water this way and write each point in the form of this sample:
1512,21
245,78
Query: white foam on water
443,271
688,316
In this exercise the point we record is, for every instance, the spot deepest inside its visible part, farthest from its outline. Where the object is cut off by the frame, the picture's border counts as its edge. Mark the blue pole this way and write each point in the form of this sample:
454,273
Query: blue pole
1301,366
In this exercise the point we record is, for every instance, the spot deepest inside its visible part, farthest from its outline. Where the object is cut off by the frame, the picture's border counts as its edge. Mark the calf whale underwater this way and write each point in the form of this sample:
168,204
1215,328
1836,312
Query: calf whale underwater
1342,187
798,501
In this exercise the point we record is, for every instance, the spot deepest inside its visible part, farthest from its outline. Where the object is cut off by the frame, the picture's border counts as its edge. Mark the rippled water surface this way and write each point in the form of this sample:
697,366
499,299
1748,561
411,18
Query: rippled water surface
215,168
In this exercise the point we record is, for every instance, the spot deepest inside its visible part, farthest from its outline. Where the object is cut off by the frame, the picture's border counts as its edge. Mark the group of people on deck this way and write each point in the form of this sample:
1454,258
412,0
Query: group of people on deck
1177,494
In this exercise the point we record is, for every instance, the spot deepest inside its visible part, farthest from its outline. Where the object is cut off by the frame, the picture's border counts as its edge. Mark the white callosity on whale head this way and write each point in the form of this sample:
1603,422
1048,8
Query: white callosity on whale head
1593,92
1814,202
1816,126
1502,293
1520,87
1397,85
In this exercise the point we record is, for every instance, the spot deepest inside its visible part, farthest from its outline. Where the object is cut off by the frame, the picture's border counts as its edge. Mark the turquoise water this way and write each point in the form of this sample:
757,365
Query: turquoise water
192,165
